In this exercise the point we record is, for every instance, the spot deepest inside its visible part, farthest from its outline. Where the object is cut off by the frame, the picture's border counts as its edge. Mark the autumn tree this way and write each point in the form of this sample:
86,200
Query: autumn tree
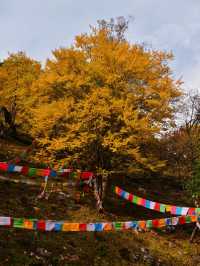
103,100
191,127
191,108
17,73
180,147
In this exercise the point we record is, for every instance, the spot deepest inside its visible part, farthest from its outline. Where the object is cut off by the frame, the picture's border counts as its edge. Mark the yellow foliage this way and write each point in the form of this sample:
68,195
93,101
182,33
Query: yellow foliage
17,74
101,99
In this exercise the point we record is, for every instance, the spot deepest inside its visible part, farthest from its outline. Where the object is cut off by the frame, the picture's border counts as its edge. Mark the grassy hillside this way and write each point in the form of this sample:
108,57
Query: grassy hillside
158,247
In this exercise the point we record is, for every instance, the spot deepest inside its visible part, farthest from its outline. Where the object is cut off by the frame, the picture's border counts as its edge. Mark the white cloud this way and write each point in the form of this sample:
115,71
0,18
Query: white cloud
192,77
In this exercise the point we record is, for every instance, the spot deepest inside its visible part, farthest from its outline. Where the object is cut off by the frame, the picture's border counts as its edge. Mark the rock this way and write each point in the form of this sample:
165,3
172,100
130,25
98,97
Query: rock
144,250
36,209
71,257
172,245
135,257
148,258
62,196
140,189
43,252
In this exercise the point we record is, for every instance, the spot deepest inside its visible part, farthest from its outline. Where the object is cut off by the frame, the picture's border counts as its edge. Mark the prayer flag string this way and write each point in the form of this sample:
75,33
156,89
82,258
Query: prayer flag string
30,171
156,206
64,226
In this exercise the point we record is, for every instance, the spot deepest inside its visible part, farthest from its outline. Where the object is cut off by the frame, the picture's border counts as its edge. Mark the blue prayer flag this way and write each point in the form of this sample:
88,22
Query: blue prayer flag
11,168
98,227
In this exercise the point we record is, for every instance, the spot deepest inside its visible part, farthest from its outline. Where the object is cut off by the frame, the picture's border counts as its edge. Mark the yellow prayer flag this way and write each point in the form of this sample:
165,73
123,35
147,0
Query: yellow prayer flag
140,201
70,227
194,218
107,227
142,224
168,208
162,223
28,224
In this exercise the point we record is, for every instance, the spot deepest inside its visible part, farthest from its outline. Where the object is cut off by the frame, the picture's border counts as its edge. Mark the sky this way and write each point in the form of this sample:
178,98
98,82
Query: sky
40,26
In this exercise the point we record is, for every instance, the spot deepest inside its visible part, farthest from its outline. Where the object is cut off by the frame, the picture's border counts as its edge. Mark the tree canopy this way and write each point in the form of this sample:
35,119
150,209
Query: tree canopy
17,74
104,100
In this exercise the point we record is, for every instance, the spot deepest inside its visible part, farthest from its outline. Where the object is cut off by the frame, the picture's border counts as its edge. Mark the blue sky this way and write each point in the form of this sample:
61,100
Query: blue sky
39,26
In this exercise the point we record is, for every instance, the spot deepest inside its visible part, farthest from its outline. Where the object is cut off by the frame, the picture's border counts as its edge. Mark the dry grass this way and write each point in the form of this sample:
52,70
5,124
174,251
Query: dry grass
20,247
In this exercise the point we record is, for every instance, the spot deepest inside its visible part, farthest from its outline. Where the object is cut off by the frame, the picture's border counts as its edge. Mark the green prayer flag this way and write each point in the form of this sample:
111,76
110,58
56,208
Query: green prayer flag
73,175
117,225
188,219
197,210
18,223
135,199
32,171
162,207
149,223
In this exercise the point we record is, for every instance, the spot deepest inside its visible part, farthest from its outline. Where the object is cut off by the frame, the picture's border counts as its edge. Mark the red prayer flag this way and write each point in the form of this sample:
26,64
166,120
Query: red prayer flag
86,175
157,206
182,220
25,170
155,223
191,211
143,202
41,225
3,166
130,197
82,227
46,172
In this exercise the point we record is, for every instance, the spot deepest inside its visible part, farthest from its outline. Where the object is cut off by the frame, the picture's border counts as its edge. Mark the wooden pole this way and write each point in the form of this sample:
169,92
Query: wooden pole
197,227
